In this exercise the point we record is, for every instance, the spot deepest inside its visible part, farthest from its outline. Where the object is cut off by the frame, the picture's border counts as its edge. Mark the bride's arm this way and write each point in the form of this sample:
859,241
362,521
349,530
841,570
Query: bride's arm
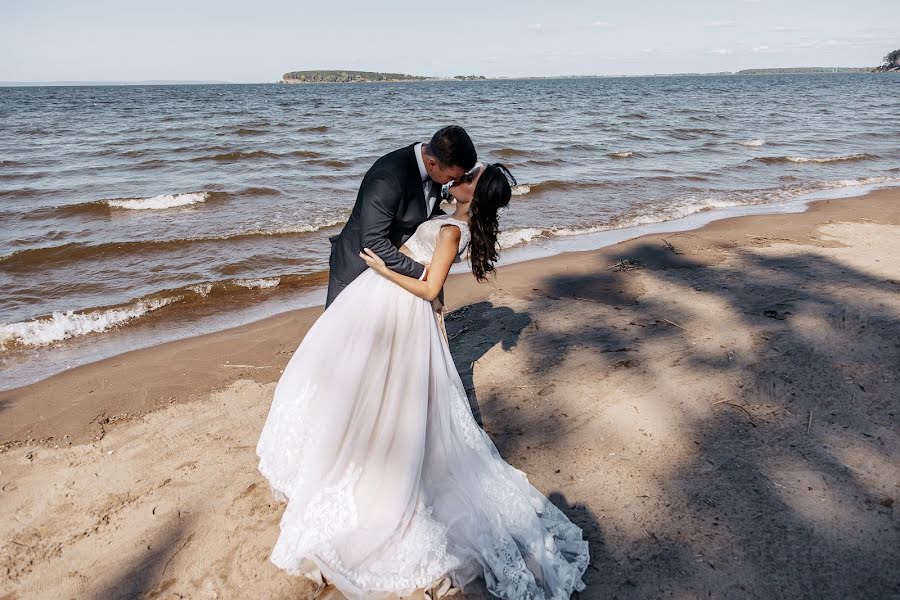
444,254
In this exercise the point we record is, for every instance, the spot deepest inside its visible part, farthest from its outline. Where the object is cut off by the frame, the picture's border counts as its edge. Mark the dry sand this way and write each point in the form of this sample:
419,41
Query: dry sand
718,409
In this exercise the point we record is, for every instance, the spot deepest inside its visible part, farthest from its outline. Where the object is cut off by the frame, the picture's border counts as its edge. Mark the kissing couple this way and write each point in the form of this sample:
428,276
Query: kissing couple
391,485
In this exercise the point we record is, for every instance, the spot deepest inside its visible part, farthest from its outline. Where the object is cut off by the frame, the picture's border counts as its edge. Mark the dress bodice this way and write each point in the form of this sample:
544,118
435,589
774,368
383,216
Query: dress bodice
424,240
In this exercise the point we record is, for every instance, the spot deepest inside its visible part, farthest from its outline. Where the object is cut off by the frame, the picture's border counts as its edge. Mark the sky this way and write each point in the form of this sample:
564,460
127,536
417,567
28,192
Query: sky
257,41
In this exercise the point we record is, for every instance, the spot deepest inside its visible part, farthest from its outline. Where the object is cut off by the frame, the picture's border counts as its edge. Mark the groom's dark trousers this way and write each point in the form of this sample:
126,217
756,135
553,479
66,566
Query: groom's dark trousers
389,206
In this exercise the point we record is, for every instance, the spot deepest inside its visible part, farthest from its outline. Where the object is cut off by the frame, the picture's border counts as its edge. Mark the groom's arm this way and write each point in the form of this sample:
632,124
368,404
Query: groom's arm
379,205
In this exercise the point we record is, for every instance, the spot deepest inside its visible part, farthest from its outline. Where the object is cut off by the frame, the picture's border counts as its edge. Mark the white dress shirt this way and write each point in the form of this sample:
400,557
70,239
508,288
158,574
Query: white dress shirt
426,187
427,184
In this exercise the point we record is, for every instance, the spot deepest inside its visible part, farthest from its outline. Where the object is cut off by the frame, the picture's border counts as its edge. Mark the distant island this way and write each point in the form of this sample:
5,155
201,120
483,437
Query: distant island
344,77
361,77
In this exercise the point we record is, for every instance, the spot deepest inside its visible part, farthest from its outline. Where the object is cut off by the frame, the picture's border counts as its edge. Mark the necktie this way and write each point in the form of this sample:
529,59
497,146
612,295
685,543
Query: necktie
427,186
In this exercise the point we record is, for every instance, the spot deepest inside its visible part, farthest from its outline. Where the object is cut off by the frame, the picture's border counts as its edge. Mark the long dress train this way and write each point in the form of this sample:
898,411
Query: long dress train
390,483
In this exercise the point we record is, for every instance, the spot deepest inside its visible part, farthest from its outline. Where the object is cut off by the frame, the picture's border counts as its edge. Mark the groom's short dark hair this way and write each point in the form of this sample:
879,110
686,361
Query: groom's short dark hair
452,147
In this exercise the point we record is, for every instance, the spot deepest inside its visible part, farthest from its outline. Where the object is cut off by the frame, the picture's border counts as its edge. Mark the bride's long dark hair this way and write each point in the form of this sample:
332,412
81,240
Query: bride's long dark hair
492,192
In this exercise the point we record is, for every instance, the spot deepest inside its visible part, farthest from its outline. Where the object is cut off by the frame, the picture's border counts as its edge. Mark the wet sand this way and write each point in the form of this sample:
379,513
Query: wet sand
718,409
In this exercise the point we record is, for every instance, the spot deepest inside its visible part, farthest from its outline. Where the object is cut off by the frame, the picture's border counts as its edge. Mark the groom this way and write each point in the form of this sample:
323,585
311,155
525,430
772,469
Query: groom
399,193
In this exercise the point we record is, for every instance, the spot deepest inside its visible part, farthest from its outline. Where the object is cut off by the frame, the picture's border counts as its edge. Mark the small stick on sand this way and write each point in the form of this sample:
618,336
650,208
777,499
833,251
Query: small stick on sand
626,265
809,423
752,422
670,246
673,323
458,333
780,239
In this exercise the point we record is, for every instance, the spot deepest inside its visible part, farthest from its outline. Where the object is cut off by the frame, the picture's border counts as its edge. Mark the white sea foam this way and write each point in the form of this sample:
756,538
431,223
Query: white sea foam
318,224
258,284
203,289
686,207
825,159
515,237
521,189
754,143
160,202
64,325
627,154
861,181
676,210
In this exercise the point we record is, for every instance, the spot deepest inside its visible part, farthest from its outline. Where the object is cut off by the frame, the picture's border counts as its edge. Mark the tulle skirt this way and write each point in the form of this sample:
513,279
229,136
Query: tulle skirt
390,483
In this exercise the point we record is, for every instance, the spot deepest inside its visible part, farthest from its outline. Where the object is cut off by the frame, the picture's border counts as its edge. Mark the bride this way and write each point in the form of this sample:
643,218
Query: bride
391,485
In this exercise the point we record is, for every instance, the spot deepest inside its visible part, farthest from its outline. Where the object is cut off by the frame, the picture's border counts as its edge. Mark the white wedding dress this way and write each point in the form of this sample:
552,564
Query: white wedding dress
390,483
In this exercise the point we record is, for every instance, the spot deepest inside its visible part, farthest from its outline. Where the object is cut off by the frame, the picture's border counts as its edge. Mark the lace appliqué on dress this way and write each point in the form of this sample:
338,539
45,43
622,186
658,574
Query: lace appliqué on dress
414,562
472,433
514,520
286,474
331,511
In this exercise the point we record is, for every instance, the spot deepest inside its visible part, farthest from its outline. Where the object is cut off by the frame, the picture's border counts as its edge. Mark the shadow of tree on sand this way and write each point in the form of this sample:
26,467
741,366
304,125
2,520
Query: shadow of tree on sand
778,495
146,575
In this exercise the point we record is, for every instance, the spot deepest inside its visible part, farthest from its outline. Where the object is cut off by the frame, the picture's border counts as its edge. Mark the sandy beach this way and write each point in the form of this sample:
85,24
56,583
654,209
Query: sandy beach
718,409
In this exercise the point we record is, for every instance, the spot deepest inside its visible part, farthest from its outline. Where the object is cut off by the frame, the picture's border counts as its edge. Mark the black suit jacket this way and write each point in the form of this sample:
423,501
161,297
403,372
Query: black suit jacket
389,206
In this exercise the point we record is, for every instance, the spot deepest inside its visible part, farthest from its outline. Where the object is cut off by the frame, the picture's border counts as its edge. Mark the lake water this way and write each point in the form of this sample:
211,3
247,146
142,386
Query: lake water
136,214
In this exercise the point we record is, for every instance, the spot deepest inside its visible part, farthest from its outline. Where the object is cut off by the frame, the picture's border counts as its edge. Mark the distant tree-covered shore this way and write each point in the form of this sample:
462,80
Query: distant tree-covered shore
344,77
320,76
800,70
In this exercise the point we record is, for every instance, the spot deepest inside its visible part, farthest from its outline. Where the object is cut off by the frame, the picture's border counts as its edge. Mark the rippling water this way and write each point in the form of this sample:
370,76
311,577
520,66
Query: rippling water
159,206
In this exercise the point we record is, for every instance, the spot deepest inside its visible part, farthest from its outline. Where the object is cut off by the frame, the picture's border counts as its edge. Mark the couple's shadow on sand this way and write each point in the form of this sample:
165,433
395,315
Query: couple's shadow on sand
473,330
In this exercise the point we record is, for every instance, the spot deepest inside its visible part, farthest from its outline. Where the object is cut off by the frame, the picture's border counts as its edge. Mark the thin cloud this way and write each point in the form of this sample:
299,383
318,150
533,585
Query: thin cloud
845,41
721,51
785,28
806,44
723,23
561,53
601,24
537,27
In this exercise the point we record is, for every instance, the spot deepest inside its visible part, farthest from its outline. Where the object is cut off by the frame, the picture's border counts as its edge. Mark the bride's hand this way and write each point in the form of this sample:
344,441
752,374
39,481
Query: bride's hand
373,260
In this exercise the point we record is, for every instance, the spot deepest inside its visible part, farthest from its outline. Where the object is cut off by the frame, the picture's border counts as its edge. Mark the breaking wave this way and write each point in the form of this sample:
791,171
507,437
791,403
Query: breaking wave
773,160
63,325
159,202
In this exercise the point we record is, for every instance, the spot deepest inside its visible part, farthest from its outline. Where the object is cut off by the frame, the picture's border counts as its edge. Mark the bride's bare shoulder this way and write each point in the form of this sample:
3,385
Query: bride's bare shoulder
450,231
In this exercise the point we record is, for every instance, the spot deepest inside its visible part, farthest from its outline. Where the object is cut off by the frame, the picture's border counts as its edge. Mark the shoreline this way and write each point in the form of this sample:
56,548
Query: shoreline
152,330
716,409
170,372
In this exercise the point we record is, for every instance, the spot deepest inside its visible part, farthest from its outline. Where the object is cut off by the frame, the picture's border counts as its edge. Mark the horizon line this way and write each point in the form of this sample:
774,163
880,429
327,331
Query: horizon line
99,83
